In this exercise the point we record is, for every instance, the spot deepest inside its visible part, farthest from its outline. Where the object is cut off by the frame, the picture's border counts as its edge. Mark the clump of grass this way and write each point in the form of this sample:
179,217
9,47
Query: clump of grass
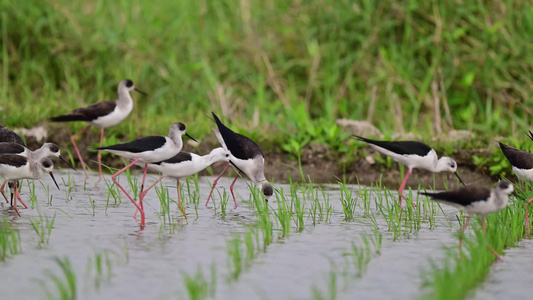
65,284
460,274
348,201
198,287
9,240
100,267
43,228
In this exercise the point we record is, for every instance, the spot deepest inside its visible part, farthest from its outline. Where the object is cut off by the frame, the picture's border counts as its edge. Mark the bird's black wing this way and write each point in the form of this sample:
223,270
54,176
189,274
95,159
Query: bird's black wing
13,160
239,145
89,113
517,158
9,136
180,157
141,145
463,196
11,148
400,147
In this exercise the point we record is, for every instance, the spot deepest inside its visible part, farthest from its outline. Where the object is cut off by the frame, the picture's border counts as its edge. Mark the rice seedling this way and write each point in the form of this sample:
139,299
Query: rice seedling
283,214
43,228
10,243
331,293
348,201
33,194
99,268
70,185
165,216
465,272
66,286
198,287
193,194
235,262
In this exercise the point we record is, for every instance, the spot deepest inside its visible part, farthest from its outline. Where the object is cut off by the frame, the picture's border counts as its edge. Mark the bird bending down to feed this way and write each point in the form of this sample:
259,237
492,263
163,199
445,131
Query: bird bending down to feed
476,200
414,155
185,164
148,150
17,167
47,150
245,155
102,115
522,166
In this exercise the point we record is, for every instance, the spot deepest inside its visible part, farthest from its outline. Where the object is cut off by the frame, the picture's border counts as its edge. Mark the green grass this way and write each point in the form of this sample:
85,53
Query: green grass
281,71
457,276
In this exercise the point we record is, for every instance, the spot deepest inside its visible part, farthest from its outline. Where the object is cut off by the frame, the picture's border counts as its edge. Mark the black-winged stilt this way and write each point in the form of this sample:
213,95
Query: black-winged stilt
102,115
414,155
186,164
245,155
47,150
477,200
15,167
522,166
148,150
9,136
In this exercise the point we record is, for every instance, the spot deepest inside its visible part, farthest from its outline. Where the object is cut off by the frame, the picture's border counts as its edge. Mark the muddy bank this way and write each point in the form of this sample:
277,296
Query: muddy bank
318,163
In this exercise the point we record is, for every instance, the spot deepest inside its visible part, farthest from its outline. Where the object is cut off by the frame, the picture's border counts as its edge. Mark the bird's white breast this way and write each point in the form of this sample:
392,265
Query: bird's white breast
115,117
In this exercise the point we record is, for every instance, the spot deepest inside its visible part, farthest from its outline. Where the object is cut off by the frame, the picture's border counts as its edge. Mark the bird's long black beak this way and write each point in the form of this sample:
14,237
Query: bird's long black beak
457,175
140,92
68,164
191,137
52,175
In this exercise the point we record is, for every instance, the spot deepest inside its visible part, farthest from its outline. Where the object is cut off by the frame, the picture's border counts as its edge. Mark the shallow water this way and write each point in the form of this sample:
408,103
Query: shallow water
151,263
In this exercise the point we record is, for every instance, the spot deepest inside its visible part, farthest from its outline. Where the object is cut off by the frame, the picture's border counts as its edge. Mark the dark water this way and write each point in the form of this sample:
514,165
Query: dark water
152,263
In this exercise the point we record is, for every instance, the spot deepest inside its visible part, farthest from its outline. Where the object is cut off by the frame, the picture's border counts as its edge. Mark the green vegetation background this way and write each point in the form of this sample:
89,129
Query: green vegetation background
280,71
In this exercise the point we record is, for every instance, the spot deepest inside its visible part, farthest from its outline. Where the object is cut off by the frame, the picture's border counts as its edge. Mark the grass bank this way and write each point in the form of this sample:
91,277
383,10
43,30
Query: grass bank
281,71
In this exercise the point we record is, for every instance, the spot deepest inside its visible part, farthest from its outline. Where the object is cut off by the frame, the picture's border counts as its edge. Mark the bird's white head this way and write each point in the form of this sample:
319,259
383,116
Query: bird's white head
46,165
218,155
266,189
177,130
505,188
50,149
447,164
127,86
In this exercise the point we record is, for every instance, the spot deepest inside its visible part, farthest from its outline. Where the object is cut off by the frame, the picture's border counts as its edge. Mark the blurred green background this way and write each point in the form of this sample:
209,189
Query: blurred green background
280,71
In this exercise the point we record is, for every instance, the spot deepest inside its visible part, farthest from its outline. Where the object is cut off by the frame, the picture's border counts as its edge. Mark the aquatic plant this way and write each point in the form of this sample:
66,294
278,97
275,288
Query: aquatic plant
198,287
460,273
43,228
10,243
65,284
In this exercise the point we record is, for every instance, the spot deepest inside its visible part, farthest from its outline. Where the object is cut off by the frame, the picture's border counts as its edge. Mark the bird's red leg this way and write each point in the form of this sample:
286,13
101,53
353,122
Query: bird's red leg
114,178
488,245
2,190
231,189
462,233
527,217
73,140
15,202
402,187
215,183
100,156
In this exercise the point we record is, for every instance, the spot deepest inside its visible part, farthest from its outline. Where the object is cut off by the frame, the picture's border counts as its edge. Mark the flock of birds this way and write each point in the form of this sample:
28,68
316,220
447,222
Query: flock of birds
163,154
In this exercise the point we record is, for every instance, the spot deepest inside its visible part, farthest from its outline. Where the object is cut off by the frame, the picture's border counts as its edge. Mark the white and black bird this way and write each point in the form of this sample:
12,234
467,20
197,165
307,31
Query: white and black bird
246,156
185,164
414,155
47,150
476,200
17,167
9,136
102,115
148,150
522,165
